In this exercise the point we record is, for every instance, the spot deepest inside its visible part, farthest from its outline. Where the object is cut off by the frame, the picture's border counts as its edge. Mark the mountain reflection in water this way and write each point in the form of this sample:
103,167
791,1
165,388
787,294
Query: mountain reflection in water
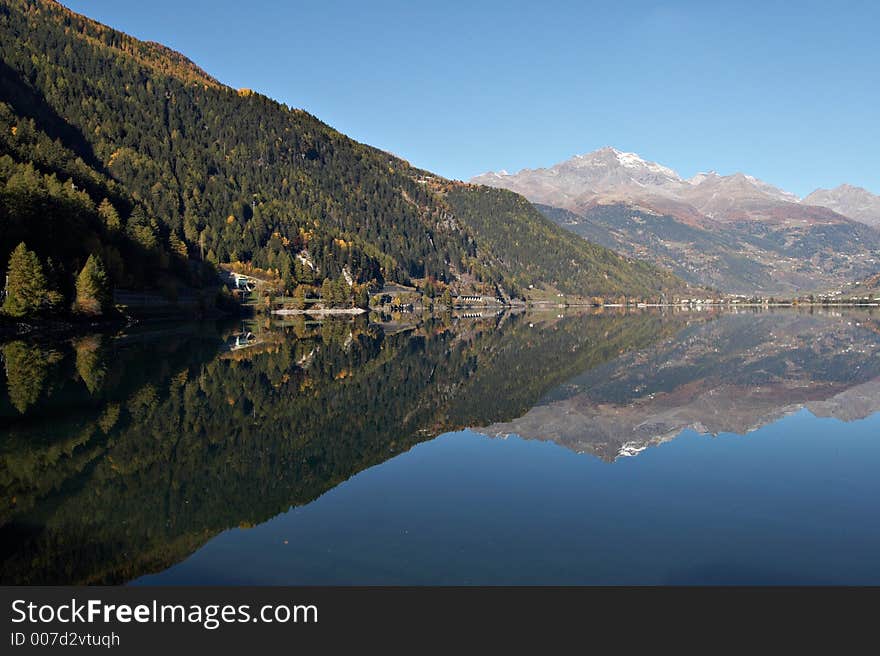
735,374
121,455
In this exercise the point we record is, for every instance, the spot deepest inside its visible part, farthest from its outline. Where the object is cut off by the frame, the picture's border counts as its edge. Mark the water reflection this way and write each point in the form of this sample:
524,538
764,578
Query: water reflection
122,454
735,374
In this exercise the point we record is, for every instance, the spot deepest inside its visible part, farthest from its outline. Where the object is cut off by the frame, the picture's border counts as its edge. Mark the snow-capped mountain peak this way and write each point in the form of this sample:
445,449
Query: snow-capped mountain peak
612,157
699,178
612,175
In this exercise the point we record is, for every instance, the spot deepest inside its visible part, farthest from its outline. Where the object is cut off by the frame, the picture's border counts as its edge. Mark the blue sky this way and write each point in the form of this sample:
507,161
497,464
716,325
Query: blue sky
789,92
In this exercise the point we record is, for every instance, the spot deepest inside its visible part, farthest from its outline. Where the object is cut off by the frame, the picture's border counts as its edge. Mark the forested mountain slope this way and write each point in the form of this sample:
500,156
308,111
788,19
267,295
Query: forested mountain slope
202,172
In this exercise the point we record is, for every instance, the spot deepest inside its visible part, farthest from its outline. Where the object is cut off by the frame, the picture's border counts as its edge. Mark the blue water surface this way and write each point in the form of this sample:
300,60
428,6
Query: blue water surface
794,502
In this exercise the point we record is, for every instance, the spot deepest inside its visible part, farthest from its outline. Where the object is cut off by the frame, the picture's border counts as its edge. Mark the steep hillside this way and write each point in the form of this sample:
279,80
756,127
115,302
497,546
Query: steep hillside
696,254
220,175
746,257
867,289
65,210
529,249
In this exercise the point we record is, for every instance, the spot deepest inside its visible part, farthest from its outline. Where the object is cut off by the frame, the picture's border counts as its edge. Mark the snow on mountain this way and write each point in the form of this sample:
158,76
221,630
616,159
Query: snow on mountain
734,232
606,171
612,175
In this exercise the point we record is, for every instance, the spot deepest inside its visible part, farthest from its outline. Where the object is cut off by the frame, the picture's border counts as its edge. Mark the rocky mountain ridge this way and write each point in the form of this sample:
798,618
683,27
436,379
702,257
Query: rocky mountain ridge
735,232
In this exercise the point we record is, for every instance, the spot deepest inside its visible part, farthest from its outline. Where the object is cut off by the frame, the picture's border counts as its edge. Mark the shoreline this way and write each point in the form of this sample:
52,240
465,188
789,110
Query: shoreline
320,312
70,326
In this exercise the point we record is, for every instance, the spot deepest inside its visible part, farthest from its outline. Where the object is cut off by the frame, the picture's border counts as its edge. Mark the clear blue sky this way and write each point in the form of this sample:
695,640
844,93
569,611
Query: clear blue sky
787,91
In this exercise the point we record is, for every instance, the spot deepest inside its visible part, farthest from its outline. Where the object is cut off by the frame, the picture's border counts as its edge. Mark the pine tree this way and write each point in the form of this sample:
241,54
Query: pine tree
341,291
92,288
142,230
177,246
362,298
54,298
27,291
109,216
327,292
446,298
299,297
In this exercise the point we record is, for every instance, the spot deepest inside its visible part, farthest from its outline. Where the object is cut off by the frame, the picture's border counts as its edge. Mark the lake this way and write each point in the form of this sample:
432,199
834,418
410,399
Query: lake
636,448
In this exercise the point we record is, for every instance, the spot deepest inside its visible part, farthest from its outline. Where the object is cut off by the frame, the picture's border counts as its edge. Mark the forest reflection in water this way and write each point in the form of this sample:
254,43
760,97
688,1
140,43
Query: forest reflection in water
120,455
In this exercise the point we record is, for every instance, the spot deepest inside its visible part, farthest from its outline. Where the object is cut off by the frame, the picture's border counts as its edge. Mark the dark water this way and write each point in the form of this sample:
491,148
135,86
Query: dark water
643,448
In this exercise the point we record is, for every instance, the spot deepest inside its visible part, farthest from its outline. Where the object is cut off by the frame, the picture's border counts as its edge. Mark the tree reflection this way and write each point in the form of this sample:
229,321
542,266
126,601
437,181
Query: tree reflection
27,368
147,445
90,362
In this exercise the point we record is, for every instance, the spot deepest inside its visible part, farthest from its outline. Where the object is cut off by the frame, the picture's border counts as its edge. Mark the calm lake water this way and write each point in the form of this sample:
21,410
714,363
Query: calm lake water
641,448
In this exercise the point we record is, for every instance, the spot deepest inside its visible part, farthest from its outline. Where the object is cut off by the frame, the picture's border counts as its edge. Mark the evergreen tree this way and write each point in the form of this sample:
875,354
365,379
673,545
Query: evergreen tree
142,230
299,297
286,280
362,298
109,216
327,296
341,291
446,298
177,247
54,298
303,272
92,288
27,291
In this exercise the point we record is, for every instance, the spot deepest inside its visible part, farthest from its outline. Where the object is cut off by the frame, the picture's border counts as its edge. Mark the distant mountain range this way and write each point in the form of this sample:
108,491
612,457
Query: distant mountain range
735,232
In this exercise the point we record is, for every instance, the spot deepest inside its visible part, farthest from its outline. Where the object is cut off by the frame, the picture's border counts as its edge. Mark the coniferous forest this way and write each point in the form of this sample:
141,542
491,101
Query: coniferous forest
127,152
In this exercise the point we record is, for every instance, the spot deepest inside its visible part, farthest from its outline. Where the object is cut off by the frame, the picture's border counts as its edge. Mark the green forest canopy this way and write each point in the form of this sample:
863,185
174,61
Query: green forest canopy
195,173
